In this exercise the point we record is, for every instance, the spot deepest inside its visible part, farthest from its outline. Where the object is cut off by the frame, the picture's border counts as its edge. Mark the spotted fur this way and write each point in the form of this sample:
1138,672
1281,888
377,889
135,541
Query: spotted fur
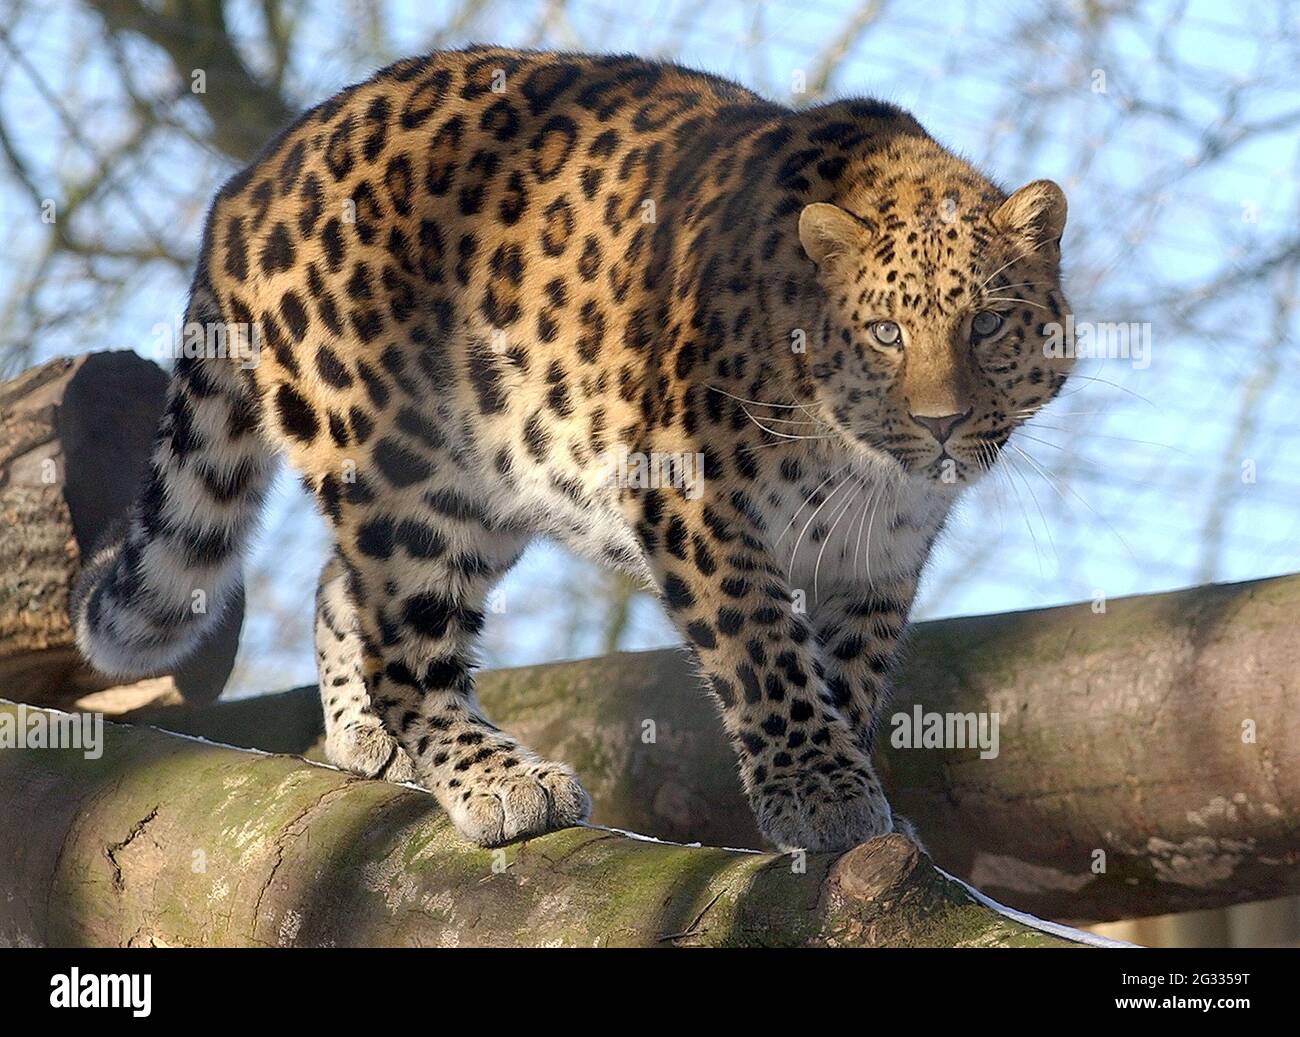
479,276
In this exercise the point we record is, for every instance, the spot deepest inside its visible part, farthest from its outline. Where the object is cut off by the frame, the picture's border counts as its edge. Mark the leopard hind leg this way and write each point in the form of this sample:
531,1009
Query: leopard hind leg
355,738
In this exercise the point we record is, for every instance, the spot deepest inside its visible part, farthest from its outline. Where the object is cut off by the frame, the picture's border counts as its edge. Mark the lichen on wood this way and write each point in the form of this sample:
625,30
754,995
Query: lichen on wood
1124,785
165,840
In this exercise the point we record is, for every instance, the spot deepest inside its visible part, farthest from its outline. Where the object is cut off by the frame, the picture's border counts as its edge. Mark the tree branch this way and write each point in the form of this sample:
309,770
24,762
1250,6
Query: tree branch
245,111
165,840
1121,747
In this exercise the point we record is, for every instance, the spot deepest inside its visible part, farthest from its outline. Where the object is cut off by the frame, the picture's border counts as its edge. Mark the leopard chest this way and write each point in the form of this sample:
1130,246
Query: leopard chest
840,527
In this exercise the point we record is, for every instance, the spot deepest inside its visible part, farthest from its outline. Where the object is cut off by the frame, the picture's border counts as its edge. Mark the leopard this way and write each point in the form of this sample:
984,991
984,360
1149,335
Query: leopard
748,354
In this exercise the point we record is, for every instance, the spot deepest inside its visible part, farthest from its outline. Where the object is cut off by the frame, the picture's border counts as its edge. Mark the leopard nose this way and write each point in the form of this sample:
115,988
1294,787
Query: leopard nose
941,427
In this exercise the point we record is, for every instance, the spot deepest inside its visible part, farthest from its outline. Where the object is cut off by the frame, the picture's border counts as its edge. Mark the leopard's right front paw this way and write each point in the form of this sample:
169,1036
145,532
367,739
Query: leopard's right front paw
530,799
821,813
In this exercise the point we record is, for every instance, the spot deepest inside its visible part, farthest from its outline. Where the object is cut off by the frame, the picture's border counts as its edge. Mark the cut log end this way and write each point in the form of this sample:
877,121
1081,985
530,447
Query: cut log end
75,439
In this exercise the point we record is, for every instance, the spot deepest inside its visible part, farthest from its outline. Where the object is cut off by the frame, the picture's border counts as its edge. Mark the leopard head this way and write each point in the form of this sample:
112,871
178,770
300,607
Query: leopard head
937,308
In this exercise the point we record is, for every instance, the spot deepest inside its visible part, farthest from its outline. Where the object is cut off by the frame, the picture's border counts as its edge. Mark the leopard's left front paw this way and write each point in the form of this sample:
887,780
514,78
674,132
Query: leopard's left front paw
821,813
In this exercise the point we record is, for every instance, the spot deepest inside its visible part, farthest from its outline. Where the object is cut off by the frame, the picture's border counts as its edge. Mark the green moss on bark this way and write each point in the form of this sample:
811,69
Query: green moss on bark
166,840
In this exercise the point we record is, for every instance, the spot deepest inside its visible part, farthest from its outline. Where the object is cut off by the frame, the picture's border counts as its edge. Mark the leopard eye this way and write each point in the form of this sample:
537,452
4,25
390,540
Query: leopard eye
985,323
886,333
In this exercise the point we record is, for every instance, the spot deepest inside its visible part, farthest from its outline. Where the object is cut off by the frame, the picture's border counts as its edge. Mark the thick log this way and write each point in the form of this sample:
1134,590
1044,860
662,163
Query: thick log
75,437
1124,744
164,840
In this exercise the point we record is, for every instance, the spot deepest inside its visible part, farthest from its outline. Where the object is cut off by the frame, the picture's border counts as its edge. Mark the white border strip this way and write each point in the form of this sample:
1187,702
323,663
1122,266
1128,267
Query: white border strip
1066,932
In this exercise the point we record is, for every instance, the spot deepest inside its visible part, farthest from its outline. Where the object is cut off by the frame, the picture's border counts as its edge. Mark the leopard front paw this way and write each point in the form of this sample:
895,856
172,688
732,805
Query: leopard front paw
821,813
529,799
365,748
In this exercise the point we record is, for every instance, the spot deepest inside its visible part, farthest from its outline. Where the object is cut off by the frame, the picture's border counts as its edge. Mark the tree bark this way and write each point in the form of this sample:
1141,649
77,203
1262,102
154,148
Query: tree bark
245,111
167,840
75,437
1121,746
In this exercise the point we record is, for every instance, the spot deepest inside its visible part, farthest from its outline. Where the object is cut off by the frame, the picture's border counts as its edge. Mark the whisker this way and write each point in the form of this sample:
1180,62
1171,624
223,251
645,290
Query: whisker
1105,381
1033,439
817,567
1024,513
1042,517
1014,298
811,519
1011,262
870,526
876,493
1021,284
758,403
1081,434
999,476
786,440
1030,412
1052,483
808,500
792,421
778,433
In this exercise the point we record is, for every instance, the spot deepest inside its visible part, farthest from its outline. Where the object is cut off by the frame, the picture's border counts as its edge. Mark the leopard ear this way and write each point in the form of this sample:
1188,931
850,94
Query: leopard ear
1035,213
826,231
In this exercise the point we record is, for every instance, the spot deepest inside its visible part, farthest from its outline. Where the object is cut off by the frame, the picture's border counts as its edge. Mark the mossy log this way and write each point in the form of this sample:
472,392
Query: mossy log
165,840
1149,754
